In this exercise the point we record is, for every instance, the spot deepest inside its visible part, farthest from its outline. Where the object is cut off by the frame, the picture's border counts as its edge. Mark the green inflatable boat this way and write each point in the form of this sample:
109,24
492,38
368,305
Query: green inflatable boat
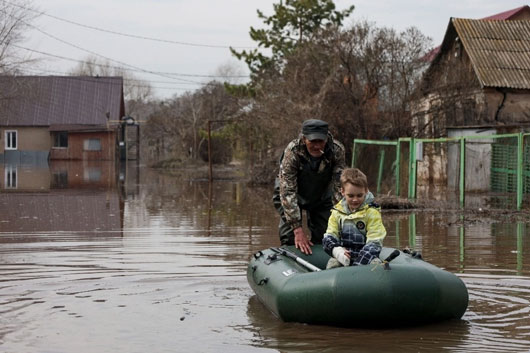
403,290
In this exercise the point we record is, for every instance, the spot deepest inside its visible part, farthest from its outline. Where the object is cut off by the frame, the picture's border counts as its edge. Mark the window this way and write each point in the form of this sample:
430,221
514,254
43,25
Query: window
60,180
92,145
11,140
92,174
10,177
60,140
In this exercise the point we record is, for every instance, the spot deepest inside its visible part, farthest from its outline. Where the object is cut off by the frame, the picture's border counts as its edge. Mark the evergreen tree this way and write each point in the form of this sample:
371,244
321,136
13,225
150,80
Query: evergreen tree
291,24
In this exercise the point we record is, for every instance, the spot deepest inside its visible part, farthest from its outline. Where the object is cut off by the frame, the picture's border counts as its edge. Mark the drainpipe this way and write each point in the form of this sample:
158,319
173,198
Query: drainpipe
499,108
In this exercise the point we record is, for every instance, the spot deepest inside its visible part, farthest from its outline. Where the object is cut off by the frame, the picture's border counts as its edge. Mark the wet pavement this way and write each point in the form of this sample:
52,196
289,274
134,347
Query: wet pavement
94,258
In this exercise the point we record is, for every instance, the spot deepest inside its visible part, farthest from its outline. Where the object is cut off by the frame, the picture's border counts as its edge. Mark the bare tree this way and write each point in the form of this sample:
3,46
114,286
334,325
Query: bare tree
360,79
449,94
135,90
231,72
175,131
15,19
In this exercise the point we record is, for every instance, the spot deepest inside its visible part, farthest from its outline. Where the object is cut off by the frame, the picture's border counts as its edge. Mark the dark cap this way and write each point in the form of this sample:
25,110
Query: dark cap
314,129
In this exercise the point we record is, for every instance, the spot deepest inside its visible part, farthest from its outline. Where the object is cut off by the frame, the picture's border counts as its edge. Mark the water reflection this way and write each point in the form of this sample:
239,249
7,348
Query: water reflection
62,197
98,258
489,256
272,333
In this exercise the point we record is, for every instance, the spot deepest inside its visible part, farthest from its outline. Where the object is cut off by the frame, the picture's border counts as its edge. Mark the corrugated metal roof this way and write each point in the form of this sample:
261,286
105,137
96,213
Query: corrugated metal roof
499,51
513,14
56,100
506,15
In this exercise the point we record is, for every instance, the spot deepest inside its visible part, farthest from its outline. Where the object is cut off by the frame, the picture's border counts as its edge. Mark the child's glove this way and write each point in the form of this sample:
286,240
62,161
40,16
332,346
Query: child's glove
341,255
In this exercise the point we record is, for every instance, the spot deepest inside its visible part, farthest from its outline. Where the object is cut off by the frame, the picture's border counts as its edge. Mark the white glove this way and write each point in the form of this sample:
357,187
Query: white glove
340,254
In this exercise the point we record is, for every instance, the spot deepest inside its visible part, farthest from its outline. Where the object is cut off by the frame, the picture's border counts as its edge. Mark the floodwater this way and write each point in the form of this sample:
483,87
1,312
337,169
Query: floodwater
99,259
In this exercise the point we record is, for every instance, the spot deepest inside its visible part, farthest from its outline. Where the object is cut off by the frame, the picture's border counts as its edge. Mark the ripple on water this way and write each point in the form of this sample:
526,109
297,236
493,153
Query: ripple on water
498,312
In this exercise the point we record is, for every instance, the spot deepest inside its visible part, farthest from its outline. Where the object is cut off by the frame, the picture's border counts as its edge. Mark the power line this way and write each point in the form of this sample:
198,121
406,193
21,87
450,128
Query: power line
62,73
123,63
139,86
130,67
127,34
135,69
117,61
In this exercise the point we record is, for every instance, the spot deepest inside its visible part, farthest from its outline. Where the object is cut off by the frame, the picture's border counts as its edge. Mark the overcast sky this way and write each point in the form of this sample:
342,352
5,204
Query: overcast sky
186,41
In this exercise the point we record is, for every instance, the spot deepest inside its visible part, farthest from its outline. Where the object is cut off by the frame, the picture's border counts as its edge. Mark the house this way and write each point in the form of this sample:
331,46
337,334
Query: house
478,84
481,77
59,117
519,13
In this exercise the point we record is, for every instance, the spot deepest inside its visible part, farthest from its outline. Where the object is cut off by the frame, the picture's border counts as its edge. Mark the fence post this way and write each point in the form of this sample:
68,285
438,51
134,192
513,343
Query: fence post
210,174
353,155
380,172
398,165
519,170
412,230
412,168
462,171
520,242
462,242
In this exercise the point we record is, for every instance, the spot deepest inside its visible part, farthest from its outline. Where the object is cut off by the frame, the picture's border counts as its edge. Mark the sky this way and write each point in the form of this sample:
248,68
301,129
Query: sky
178,45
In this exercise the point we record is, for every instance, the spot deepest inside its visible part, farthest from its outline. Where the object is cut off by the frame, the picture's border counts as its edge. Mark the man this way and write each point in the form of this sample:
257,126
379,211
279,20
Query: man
309,179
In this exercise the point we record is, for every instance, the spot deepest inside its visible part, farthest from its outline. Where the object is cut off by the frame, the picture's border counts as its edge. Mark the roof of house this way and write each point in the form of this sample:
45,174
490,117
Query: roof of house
60,100
513,14
499,51
510,14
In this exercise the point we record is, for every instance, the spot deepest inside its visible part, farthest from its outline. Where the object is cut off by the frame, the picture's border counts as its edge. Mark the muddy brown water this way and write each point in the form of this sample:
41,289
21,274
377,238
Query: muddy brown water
146,262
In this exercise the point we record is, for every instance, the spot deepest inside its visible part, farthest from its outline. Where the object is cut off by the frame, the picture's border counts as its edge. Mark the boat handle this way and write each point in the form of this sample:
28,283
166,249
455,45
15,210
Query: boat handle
258,254
263,281
254,268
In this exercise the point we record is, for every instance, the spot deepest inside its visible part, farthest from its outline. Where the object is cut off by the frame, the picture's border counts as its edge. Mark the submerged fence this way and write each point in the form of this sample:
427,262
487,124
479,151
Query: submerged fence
478,163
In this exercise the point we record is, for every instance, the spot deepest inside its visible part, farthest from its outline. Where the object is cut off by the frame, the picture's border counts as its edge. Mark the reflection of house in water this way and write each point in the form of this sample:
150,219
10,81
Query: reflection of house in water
67,196
82,175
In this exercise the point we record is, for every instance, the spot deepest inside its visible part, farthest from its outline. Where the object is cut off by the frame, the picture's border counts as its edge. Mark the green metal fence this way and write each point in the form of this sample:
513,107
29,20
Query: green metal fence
502,161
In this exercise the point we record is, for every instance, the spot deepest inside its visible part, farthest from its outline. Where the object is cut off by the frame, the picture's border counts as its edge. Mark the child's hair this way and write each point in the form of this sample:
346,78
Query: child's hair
353,176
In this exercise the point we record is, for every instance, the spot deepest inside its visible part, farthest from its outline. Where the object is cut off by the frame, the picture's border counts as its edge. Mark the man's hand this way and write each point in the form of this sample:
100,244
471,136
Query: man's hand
301,242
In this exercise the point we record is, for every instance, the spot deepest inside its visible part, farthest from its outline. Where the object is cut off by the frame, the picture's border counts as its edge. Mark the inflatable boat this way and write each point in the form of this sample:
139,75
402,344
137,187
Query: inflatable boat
401,290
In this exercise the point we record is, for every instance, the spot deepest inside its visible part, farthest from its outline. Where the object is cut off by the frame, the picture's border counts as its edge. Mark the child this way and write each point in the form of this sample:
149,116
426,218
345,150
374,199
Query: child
355,230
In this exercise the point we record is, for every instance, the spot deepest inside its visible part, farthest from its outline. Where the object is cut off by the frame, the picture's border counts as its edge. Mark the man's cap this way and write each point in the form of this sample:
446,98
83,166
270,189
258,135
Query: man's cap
314,129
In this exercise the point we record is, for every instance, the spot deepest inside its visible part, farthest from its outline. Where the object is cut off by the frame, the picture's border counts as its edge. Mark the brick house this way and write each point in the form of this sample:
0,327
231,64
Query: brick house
59,117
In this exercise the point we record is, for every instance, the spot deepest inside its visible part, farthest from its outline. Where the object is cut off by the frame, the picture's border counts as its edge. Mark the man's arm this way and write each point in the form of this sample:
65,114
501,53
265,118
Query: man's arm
338,167
289,188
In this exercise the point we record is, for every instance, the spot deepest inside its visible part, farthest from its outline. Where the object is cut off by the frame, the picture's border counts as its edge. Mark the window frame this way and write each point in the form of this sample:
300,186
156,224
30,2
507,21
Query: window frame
56,138
8,140
10,177
86,145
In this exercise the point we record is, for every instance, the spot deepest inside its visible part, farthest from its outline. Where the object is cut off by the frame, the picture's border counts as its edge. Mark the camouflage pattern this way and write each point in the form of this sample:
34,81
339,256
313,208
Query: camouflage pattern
290,196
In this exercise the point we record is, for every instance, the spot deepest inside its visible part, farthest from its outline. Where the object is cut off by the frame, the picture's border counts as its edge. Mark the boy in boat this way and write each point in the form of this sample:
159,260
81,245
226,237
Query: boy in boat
355,230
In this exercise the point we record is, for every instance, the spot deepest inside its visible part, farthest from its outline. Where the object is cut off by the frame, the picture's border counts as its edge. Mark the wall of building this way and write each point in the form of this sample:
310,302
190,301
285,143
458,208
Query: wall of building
453,98
76,149
431,168
20,178
33,145
28,138
85,174
508,107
